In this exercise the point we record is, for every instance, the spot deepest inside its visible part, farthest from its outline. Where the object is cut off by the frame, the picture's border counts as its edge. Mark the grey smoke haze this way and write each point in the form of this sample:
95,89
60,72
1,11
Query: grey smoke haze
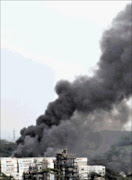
117,158
88,104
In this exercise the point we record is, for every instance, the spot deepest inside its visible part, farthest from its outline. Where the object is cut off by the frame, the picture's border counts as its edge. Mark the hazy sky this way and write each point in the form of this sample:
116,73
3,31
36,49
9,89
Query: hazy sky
43,42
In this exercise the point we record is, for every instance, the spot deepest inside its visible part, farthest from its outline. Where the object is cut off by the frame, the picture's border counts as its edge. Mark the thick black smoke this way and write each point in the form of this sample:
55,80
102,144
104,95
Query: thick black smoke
86,103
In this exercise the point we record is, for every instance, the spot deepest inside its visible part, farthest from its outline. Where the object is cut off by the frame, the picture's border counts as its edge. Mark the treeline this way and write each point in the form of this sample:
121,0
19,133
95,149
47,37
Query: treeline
7,148
110,175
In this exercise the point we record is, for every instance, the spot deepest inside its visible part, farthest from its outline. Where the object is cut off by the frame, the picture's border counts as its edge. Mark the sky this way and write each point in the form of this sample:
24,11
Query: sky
43,42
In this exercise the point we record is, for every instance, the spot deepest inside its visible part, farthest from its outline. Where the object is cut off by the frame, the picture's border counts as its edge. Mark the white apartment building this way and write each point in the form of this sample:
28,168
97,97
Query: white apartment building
17,166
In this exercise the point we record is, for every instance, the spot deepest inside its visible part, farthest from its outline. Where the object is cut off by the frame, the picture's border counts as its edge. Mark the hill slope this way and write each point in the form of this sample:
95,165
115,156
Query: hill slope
7,148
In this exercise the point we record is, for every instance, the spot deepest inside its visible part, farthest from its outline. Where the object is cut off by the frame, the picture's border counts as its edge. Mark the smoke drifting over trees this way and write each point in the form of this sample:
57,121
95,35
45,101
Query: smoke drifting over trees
117,158
89,103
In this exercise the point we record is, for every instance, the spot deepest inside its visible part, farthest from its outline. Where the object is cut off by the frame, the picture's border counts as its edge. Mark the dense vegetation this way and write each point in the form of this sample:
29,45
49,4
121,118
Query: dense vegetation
112,175
5,177
7,148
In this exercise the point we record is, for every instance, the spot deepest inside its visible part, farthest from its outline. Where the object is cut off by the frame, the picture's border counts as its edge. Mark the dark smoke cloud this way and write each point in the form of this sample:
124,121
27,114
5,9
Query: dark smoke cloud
81,134
87,104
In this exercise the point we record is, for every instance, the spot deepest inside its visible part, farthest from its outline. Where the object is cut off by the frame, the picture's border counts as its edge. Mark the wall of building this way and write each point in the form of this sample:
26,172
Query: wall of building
86,170
17,166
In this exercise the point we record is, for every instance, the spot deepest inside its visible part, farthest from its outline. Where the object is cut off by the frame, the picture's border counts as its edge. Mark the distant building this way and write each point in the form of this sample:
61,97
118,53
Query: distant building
66,166
61,167
85,171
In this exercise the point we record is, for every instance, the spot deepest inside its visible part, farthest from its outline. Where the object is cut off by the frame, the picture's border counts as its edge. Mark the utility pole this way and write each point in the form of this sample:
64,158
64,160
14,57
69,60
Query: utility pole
14,135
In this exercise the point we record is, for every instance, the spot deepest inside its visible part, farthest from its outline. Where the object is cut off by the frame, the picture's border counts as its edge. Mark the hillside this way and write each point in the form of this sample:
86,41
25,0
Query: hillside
7,148
118,157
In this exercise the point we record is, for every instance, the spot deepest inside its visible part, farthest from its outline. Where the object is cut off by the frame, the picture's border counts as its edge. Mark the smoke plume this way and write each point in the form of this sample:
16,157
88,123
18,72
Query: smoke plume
87,104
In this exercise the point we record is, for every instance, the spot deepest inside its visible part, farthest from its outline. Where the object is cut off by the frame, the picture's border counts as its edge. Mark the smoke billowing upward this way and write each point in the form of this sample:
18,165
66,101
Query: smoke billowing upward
87,104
